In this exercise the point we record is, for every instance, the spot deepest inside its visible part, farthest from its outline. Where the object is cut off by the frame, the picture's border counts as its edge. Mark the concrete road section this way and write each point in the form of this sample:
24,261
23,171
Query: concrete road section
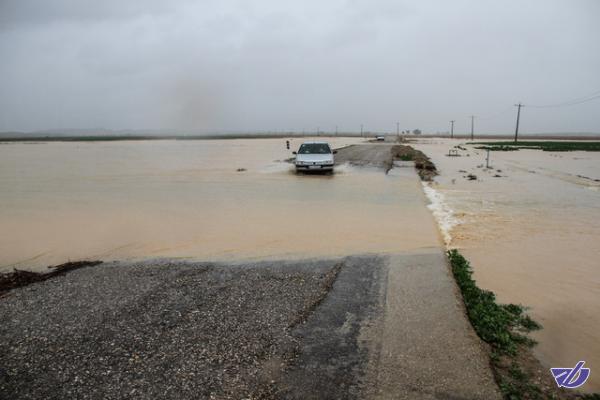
391,328
424,347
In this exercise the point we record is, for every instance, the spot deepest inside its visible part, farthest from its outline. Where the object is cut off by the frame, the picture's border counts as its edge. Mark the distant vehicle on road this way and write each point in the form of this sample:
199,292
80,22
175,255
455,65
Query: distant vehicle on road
314,156
380,138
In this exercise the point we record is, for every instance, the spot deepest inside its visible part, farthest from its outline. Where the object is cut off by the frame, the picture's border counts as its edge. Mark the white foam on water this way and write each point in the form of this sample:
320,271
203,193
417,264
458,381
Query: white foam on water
344,168
277,167
442,213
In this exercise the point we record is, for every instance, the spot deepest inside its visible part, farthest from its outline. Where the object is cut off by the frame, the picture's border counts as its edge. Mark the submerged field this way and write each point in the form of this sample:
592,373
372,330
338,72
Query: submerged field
527,225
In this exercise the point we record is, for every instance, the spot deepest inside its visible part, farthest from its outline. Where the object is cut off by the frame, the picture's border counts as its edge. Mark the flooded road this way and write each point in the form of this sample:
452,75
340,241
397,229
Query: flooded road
529,226
142,199
287,313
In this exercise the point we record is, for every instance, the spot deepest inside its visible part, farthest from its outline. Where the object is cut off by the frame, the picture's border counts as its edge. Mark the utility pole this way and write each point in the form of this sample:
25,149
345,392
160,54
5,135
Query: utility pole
518,117
472,125
397,128
452,129
361,130
336,132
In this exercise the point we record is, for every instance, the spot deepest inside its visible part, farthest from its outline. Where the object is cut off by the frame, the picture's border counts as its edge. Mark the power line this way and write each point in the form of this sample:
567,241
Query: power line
584,99
579,100
497,114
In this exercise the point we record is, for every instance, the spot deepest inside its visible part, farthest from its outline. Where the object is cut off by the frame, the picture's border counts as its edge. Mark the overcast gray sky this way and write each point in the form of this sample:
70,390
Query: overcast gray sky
229,65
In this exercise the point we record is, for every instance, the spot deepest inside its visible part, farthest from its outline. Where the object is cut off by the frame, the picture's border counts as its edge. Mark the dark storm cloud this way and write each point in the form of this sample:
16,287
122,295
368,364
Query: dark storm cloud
273,65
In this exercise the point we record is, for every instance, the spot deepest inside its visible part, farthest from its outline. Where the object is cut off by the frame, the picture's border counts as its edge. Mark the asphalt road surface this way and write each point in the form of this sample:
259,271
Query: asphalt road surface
359,327
373,154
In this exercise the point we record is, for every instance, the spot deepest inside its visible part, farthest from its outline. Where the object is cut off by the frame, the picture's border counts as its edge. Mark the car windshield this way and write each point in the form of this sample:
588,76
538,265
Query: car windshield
314,148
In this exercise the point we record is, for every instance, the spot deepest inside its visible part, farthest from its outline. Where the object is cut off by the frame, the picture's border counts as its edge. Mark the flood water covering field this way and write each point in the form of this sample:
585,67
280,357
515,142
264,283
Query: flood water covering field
144,199
530,227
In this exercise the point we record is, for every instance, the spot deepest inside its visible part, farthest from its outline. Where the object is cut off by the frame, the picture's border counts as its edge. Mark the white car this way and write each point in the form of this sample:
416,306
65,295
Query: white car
380,138
314,156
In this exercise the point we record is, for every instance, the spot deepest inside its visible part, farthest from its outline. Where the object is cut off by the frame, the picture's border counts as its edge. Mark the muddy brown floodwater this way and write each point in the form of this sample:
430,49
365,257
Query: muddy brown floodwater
530,227
144,199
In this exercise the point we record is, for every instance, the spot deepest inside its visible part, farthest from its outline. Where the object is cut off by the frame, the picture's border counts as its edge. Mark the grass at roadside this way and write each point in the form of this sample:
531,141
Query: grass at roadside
540,145
505,327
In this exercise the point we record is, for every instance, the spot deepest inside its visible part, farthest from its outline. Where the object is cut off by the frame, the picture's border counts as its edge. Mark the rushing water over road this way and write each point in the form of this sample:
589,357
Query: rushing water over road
139,199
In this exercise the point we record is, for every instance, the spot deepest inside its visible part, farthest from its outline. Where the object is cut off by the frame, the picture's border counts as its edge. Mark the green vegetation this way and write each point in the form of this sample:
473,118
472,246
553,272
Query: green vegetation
540,145
503,326
498,148
518,385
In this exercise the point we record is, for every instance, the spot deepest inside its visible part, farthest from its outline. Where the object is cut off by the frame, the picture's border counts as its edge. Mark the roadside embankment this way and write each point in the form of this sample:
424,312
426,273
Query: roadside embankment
425,167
